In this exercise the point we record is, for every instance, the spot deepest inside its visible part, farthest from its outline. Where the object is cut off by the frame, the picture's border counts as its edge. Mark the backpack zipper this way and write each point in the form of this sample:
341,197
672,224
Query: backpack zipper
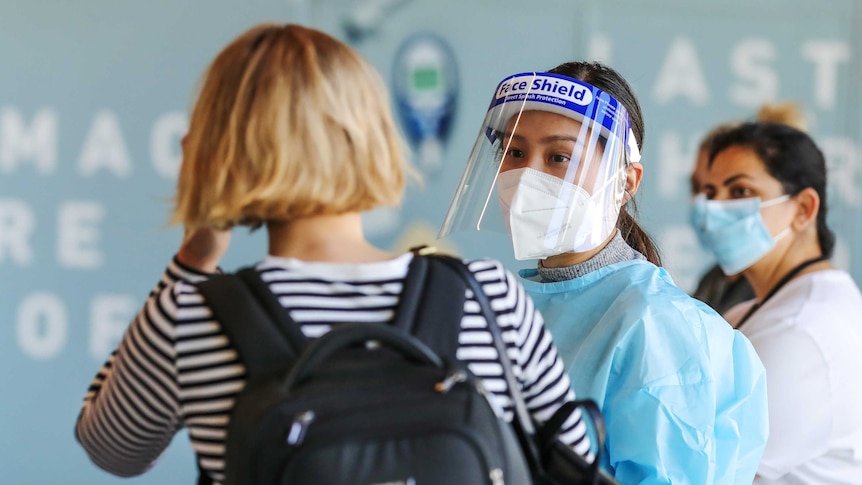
302,421
450,380
496,476
300,425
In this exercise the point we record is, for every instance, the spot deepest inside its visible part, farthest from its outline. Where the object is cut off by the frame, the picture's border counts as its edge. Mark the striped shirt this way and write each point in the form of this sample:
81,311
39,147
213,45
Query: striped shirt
175,367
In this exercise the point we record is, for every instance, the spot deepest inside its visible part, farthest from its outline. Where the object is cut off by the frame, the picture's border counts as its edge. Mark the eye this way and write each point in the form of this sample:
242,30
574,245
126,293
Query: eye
515,153
559,158
739,192
708,191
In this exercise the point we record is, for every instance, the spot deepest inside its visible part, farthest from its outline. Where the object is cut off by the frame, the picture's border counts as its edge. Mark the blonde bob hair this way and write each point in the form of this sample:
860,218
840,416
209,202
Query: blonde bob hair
289,123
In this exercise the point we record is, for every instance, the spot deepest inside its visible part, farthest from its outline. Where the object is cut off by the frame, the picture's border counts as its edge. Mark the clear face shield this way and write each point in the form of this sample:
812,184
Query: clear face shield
548,167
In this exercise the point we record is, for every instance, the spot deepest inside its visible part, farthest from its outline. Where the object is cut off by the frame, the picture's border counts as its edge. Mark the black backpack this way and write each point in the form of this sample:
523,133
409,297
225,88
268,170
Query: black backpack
368,404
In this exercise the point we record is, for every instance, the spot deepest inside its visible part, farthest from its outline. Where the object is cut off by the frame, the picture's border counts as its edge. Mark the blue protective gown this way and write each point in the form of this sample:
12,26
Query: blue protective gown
683,394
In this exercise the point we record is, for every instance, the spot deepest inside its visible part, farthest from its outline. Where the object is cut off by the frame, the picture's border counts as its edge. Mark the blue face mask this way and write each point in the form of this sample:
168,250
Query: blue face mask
733,230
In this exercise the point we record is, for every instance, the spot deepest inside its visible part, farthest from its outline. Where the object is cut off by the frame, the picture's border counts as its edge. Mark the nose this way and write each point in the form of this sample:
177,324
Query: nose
535,162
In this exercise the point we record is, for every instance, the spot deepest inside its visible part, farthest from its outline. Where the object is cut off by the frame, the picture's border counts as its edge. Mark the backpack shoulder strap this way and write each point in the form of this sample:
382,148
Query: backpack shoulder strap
257,325
431,305
522,420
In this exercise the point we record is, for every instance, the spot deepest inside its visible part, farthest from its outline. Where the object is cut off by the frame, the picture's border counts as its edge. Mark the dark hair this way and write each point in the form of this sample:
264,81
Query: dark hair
787,113
611,82
791,157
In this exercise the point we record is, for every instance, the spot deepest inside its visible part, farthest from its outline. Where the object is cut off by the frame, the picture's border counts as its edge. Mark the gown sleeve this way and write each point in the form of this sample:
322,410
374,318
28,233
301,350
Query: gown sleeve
695,392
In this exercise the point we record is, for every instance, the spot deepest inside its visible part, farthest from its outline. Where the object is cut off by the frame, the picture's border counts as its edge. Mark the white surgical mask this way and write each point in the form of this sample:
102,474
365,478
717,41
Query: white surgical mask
547,216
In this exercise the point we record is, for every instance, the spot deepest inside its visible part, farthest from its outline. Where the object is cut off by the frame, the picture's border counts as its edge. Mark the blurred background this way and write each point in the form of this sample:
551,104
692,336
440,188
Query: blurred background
94,97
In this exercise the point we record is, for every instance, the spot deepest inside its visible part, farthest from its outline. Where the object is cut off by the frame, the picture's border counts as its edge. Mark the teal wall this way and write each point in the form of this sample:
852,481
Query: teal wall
93,102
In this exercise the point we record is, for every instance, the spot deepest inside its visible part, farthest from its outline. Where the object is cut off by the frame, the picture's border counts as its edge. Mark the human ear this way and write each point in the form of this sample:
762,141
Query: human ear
634,173
807,208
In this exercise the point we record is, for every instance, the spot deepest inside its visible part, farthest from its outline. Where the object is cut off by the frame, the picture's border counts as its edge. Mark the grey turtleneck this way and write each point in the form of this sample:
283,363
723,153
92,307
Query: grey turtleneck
616,251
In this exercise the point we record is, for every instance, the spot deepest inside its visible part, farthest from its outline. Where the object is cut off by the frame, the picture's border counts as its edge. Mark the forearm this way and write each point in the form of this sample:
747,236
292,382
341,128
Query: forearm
546,386
131,409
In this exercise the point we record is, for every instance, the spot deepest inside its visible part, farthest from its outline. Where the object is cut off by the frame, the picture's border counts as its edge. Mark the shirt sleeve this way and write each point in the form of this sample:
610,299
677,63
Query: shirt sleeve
132,409
798,377
545,385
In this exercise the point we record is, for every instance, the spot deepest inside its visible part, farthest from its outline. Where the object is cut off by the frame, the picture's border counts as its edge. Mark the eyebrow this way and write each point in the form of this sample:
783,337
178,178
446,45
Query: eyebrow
734,178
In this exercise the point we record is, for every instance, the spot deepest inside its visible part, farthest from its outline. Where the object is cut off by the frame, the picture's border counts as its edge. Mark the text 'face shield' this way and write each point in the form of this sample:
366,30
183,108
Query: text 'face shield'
548,166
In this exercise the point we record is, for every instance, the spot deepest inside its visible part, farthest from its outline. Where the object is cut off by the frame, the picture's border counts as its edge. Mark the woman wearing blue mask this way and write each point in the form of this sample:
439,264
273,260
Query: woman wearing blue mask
715,288
763,213
683,394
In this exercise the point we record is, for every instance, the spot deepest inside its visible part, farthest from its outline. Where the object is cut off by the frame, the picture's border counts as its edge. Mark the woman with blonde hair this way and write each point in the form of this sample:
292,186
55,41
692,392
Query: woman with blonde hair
292,131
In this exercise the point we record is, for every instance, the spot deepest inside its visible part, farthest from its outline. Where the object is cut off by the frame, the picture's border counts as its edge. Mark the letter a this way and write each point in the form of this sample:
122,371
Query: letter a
105,148
681,75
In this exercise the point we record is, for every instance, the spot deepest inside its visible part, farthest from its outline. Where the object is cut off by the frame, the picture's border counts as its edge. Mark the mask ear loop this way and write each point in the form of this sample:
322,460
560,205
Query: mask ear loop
781,235
625,196
778,200
634,156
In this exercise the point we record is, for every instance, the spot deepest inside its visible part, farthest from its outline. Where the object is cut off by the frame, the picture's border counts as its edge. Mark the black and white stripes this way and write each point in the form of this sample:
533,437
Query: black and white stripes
176,368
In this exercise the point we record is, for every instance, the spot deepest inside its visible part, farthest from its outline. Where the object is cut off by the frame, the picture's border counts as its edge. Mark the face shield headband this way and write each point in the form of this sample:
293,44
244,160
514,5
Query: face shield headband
573,137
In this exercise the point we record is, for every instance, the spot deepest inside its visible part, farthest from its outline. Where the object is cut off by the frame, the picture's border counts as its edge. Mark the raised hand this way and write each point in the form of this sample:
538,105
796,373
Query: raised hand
203,248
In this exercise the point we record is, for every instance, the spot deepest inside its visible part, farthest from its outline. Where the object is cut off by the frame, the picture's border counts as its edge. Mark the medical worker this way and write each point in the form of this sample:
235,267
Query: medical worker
558,156
716,289
763,214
